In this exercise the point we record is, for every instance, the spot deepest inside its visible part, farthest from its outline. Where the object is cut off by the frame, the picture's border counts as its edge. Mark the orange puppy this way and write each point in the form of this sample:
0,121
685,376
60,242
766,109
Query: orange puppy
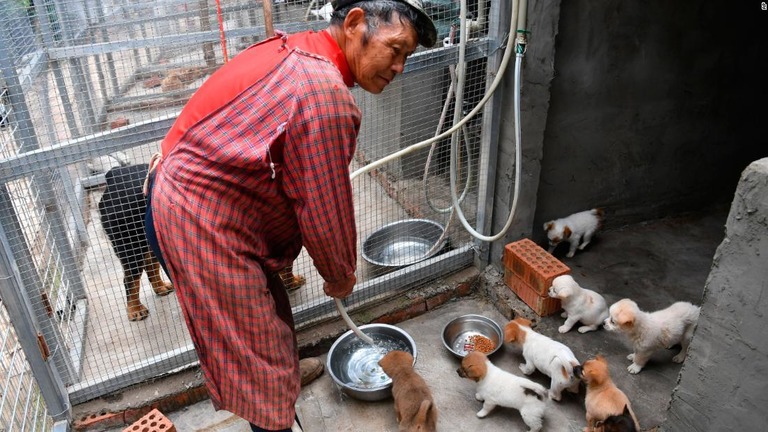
603,398
414,405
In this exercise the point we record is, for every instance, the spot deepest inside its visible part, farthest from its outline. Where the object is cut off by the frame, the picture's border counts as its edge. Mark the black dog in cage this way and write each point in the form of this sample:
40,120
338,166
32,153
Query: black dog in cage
122,209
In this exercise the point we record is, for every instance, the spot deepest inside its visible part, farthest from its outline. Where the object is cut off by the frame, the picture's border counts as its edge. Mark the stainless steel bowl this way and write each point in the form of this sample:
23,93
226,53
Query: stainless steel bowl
402,243
354,364
458,334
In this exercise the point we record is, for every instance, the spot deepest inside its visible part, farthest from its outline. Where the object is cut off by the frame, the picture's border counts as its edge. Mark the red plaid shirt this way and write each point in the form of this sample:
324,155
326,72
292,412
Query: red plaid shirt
256,166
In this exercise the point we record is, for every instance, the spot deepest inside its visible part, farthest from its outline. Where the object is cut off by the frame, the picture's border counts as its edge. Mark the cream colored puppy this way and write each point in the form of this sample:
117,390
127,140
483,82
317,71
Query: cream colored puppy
496,387
577,229
580,305
548,356
653,331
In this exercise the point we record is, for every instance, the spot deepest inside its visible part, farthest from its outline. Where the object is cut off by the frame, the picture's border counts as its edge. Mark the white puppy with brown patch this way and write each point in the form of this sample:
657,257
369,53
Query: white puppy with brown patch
496,387
577,229
653,331
547,355
580,305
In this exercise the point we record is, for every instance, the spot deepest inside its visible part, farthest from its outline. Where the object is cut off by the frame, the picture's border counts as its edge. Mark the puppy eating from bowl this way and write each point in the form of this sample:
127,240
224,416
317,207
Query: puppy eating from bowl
603,398
550,357
577,229
653,331
414,405
496,387
579,305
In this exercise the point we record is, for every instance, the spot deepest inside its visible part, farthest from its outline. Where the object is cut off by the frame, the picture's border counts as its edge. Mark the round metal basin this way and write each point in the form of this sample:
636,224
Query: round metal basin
402,243
459,334
354,364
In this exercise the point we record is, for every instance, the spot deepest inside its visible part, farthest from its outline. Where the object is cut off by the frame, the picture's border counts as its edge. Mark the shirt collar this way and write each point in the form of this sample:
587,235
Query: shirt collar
323,44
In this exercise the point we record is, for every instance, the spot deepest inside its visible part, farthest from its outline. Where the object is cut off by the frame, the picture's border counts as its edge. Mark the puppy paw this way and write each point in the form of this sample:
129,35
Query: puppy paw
570,254
631,357
585,329
564,328
163,289
524,368
137,313
634,368
555,396
679,358
479,397
482,413
564,315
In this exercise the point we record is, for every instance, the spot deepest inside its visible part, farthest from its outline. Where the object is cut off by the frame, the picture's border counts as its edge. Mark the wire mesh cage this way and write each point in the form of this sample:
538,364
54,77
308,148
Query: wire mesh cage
90,87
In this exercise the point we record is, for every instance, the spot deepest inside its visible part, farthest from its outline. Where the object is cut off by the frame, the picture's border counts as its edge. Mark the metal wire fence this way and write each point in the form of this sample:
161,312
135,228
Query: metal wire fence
90,85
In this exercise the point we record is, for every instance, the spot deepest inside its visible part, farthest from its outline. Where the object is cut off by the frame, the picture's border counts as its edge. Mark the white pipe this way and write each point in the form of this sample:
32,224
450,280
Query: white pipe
367,339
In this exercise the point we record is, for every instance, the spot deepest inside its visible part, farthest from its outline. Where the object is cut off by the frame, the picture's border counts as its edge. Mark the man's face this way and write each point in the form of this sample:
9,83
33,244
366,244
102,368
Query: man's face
376,63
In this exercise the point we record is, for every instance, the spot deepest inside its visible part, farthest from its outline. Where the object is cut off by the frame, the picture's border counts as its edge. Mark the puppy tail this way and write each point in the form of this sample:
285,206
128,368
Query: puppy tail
566,368
427,413
632,414
599,213
533,389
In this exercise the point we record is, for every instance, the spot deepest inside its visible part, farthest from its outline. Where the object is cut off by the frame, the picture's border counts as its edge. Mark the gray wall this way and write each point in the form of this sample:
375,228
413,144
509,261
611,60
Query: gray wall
723,380
645,108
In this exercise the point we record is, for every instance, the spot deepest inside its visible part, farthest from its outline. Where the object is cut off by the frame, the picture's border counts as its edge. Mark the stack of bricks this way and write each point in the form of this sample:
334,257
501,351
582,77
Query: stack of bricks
529,271
153,421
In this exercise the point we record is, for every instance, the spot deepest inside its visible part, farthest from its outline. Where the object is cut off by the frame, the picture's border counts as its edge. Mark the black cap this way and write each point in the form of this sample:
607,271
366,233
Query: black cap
429,37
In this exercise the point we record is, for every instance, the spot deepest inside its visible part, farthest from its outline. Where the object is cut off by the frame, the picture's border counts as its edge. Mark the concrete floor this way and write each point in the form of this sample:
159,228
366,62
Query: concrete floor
653,263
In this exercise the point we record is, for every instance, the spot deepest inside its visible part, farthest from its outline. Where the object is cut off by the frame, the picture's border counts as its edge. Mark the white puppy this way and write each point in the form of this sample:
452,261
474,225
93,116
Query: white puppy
580,305
577,229
653,331
548,356
496,387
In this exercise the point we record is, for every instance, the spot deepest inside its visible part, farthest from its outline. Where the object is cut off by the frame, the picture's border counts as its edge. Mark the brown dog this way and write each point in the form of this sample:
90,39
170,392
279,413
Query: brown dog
603,398
414,405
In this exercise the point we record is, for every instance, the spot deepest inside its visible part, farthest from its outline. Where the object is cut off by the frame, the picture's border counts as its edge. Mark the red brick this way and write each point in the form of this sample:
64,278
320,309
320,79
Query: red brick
119,122
153,421
535,266
404,314
541,305
98,421
439,299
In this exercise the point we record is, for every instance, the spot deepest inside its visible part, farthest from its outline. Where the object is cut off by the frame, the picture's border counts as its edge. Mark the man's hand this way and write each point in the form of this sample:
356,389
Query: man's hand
340,289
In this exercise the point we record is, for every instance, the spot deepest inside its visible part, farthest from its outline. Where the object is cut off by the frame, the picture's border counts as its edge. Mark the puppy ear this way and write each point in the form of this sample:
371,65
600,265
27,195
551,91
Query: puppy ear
523,321
567,232
510,332
625,318
549,225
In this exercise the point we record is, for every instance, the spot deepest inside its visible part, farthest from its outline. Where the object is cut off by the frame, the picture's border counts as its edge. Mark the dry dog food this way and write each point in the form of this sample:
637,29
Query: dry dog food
482,343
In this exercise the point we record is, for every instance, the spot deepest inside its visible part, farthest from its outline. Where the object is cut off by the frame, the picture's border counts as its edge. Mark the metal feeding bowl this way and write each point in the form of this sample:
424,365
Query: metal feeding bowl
354,364
402,243
472,332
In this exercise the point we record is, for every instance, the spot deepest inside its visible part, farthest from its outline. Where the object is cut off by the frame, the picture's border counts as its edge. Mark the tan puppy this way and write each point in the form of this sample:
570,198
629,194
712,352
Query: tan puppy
496,387
549,356
603,398
414,405
653,331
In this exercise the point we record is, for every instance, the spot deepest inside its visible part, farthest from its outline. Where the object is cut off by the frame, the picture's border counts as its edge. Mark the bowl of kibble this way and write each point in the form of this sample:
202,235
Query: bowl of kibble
468,333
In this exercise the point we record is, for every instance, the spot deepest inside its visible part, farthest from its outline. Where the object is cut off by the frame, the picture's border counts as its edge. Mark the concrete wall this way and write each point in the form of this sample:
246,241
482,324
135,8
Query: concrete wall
644,108
722,383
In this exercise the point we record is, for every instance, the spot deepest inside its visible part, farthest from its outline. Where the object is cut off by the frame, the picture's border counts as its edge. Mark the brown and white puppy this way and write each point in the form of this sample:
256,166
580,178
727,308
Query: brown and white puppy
603,398
496,387
549,356
653,331
577,229
414,405
579,305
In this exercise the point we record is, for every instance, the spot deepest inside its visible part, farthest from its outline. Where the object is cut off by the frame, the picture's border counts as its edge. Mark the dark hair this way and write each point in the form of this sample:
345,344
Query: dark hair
378,11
